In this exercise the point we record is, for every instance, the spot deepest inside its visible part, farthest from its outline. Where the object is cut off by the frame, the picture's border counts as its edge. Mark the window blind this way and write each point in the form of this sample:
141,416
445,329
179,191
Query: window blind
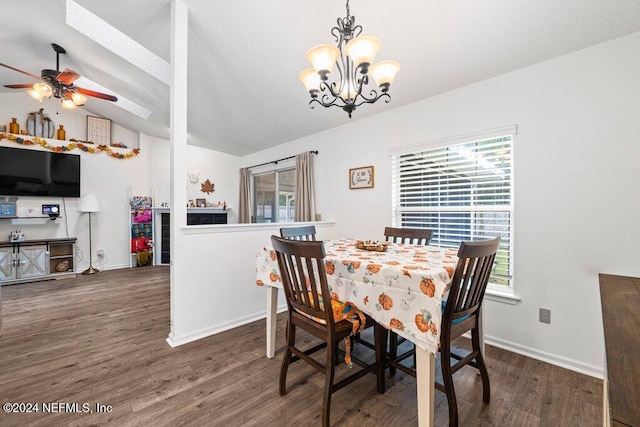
461,192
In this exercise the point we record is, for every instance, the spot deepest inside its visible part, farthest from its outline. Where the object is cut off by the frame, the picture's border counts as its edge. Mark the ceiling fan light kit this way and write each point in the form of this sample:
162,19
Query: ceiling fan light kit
352,58
58,84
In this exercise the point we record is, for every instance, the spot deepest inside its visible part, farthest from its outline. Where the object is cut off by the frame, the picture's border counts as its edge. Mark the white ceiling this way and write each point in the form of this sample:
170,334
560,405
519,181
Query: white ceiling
245,55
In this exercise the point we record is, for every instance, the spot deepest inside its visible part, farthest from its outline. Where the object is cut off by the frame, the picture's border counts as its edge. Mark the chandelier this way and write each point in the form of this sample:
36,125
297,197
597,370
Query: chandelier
352,58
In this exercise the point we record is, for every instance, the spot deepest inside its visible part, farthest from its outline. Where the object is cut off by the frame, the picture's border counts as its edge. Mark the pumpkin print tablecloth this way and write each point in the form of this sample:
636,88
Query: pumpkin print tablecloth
401,288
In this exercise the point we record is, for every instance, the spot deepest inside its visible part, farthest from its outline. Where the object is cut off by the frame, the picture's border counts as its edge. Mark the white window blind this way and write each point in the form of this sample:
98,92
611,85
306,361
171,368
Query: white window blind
461,192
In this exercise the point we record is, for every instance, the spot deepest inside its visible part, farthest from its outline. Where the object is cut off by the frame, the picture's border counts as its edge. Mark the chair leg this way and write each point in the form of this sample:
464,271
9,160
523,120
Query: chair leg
393,350
447,379
381,353
328,383
291,340
482,367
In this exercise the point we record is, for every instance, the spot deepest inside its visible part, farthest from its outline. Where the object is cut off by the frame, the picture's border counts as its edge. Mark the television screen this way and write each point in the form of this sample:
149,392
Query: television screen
38,173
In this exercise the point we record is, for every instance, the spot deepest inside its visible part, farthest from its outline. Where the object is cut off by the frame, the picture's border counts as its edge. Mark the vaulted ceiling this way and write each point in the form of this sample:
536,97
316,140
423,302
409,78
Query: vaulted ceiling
245,55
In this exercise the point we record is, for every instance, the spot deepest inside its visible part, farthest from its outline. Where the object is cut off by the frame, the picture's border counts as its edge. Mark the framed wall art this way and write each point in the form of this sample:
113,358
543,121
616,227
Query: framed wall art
98,130
201,203
361,177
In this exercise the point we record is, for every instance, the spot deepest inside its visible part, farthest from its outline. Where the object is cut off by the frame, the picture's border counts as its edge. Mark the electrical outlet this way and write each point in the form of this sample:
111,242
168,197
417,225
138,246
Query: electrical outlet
545,315
100,253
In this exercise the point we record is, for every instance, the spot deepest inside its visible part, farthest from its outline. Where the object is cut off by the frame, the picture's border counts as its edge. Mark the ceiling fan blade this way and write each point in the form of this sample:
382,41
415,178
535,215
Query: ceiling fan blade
21,86
67,76
20,71
95,94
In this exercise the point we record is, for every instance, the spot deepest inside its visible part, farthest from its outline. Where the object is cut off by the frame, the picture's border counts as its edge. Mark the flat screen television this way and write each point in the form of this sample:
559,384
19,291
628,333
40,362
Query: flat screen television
26,172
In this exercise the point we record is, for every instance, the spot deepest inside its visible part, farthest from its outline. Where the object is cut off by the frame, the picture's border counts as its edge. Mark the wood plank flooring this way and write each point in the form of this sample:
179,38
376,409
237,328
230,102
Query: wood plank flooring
101,339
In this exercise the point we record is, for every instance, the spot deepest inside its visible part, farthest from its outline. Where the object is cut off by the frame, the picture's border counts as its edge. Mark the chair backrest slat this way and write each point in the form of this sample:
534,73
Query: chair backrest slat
415,236
303,276
470,279
307,232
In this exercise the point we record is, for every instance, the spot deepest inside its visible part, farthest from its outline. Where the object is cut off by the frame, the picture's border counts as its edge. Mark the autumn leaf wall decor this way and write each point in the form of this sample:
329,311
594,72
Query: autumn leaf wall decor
207,187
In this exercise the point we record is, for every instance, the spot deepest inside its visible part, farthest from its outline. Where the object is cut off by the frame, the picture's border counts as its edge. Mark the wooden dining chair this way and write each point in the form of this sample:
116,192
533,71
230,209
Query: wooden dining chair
299,233
311,308
460,315
415,236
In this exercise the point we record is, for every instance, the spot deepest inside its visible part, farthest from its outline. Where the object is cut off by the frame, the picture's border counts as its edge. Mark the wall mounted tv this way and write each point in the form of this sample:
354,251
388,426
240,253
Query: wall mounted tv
38,173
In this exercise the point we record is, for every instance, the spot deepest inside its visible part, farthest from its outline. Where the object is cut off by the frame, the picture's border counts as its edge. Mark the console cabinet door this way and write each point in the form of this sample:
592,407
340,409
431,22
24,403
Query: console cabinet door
6,264
33,261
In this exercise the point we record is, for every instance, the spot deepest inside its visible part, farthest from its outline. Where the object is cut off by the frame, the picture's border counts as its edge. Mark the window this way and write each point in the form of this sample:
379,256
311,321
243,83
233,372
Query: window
461,192
273,196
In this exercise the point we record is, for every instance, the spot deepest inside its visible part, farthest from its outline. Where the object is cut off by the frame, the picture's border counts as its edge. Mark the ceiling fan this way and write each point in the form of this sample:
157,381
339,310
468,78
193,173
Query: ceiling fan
58,84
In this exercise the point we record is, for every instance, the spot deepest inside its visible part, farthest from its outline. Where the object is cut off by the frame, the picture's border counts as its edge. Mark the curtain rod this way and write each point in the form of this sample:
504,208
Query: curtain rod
275,162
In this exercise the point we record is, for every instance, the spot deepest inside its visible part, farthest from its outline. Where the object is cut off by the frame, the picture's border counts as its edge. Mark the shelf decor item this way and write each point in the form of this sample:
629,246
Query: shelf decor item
62,266
99,130
89,203
62,134
39,124
14,127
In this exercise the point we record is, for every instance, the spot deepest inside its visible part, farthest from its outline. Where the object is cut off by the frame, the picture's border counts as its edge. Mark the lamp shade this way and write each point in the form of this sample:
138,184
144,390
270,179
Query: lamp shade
311,79
363,49
323,57
43,89
78,98
88,203
384,72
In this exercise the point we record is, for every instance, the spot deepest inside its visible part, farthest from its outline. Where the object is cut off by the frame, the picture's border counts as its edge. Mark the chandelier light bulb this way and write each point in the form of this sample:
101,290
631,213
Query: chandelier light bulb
78,99
384,72
362,50
35,95
43,89
311,79
323,57
68,104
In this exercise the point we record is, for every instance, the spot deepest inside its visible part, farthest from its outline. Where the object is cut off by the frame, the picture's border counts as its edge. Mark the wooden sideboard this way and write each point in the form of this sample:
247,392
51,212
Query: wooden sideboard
620,298
32,260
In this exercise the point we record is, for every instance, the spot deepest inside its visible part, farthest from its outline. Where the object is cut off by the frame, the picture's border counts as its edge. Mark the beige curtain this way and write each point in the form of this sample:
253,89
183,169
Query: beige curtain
244,207
305,207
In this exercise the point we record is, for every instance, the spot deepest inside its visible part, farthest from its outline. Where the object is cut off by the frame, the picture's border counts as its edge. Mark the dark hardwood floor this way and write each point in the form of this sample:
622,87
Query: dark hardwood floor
101,340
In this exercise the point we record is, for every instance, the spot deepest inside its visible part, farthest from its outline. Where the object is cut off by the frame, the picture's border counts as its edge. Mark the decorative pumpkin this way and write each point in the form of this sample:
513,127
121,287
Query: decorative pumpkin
385,301
272,255
449,270
329,267
396,324
433,328
393,262
273,276
422,322
427,287
373,268
259,282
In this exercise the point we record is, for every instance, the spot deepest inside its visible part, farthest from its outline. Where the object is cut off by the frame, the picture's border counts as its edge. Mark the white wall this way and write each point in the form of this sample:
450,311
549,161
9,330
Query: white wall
577,170
219,168
218,290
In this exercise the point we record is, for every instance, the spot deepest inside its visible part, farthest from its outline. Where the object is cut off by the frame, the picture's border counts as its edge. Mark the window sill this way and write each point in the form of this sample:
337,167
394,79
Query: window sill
503,297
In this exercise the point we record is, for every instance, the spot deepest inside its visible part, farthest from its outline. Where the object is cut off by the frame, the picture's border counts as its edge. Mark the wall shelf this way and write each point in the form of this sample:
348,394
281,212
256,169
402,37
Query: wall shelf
37,220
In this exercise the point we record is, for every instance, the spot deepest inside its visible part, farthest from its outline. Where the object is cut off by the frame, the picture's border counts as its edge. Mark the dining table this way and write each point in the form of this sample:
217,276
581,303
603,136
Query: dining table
401,286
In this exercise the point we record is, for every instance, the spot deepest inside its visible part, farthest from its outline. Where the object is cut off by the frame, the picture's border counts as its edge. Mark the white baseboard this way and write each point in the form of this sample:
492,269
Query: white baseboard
206,332
554,359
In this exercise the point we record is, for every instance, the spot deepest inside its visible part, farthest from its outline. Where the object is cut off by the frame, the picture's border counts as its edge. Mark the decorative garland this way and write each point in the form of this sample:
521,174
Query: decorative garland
71,146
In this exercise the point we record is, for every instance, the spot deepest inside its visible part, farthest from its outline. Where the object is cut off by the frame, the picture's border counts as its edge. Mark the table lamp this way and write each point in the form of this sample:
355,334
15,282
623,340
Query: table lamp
89,203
